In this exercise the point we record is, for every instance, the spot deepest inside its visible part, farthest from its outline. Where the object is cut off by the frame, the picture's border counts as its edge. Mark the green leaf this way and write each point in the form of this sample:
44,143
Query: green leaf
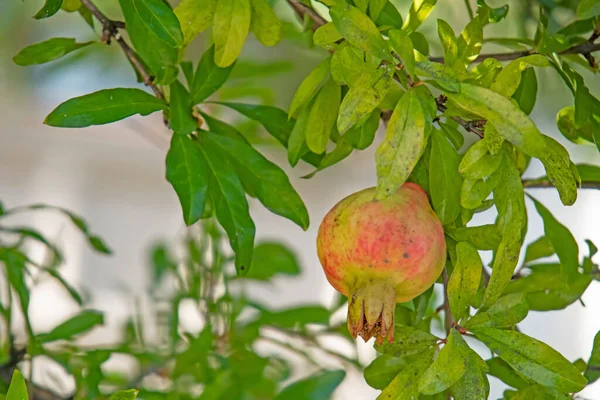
563,242
262,179
449,42
187,172
506,312
384,369
15,271
182,120
408,341
588,9
533,359
442,74
361,137
483,237
404,144
271,259
79,324
592,372
403,46
361,100
18,387
297,142
526,92
50,8
474,383
264,23
447,368
512,218
326,35
464,281
589,172
341,151
309,87
405,386
509,78
477,163
389,16
194,17
444,179
129,394
209,77
453,134
474,192
316,387
501,370
292,317
231,206
359,30
275,122
540,248
323,114
539,392
103,107
231,24
348,66
49,50
161,20
419,11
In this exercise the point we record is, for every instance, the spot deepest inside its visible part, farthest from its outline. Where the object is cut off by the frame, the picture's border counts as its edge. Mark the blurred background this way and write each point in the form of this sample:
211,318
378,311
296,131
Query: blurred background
114,175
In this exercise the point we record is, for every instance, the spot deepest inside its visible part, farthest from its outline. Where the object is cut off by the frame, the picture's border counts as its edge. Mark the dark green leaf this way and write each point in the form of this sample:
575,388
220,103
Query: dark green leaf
406,383
541,248
501,370
384,368
444,179
187,67
361,137
231,206
592,371
35,235
222,128
231,24
300,316
161,20
562,241
408,341
182,120
15,271
464,281
262,179
209,77
103,107
297,142
187,172
315,387
264,23
418,12
49,50
506,312
271,259
588,8
341,151
533,359
50,8
404,144
447,368
309,87
129,394
18,387
66,285
526,93
359,30
389,16
194,17
77,325
323,114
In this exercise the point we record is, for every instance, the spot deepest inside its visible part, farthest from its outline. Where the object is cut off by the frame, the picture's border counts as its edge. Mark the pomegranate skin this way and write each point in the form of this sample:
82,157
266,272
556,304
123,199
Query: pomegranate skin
379,253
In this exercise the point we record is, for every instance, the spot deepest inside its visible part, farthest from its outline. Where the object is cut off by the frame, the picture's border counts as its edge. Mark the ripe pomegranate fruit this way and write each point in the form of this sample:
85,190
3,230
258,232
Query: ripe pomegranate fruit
379,253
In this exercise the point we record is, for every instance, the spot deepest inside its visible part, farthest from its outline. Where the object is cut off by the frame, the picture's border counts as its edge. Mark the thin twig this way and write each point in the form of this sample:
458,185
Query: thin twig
469,9
110,30
305,11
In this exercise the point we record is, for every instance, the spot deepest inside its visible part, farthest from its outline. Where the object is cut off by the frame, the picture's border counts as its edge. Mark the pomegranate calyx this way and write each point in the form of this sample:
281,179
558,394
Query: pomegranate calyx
371,310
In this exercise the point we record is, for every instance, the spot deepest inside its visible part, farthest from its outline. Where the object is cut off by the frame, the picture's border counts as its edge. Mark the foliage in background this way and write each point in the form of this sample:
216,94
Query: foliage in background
377,66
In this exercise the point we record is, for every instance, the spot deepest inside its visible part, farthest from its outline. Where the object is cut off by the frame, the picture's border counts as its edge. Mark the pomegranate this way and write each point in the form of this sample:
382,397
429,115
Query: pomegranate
379,253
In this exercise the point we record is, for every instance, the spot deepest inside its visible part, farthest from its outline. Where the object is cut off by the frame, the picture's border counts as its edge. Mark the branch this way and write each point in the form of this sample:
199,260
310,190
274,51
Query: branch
545,184
305,11
110,30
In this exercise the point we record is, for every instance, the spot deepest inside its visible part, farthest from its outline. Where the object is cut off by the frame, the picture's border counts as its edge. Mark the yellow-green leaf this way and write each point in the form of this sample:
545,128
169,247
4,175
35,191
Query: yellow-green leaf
309,87
231,23
323,114
194,16
264,23
464,281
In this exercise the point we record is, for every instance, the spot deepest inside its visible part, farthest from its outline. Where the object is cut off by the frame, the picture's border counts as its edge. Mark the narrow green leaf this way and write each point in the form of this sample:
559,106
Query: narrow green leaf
209,77
506,312
15,271
129,394
563,242
408,341
342,150
194,16
80,323
264,23
309,87
592,371
449,42
444,179
361,100
231,206
501,370
403,145
540,248
103,107
231,24
447,368
49,50
187,67
262,179
161,20
588,9
297,142
359,30
270,259
292,317
187,172
315,387
526,93
18,387
389,16
533,359
182,120
322,117
470,40
403,46
419,11
464,281
405,386
50,8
